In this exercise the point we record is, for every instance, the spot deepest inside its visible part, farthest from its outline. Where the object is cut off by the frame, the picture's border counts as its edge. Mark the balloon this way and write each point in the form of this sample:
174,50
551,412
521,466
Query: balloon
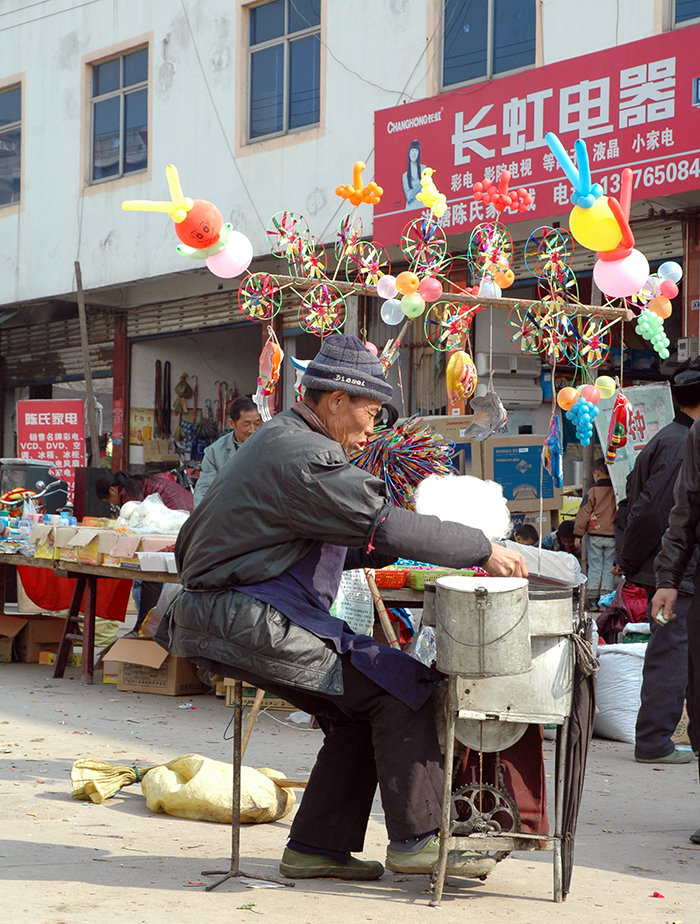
201,226
234,259
652,286
407,282
412,305
596,227
489,289
567,397
668,288
391,312
386,287
605,385
661,306
621,278
504,278
430,289
590,393
357,193
372,347
670,270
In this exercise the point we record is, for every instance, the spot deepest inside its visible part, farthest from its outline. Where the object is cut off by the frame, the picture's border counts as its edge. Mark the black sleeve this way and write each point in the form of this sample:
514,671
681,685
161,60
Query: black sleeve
404,534
679,540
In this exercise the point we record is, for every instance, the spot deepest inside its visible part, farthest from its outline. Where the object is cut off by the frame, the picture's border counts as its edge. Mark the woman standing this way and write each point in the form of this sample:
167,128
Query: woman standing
411,178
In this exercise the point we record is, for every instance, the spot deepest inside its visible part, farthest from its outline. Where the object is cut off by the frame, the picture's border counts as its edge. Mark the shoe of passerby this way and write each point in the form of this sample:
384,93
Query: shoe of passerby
695,838
471,864
296,865
677,756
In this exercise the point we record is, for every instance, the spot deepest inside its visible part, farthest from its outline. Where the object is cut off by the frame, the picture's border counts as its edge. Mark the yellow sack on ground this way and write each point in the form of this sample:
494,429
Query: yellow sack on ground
199,787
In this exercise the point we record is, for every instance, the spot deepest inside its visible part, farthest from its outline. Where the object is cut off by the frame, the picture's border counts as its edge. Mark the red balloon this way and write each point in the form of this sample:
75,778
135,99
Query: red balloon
202,226
590,393
668,288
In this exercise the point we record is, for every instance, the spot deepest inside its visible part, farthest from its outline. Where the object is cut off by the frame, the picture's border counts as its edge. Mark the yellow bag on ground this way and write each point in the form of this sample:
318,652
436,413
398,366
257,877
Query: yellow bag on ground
199,787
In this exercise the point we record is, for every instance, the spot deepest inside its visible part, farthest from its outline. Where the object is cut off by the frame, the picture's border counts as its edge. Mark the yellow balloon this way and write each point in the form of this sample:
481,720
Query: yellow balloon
605,385
595,228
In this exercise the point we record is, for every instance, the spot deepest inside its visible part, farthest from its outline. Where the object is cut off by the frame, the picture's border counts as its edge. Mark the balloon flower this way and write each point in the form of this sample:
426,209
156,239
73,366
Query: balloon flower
500,197
591,221
582,414
429,194
201,228
357,193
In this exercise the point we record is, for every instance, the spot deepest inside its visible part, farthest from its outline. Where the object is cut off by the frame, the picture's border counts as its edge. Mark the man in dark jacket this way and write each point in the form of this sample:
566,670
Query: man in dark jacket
649,502
677,546
261,559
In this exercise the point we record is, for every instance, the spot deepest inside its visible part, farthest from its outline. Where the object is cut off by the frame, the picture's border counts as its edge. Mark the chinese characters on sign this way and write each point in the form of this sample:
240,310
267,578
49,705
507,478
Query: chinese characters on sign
640,113
53,432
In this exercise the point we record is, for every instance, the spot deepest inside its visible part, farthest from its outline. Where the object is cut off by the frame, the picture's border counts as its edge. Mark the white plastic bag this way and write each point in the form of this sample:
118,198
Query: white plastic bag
619,685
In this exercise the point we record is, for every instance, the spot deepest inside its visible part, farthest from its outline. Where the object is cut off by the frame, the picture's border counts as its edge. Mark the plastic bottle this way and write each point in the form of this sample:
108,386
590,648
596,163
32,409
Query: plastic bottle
25,528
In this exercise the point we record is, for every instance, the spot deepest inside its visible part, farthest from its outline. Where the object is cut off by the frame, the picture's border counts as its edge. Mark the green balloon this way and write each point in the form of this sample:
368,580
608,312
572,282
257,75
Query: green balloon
413,305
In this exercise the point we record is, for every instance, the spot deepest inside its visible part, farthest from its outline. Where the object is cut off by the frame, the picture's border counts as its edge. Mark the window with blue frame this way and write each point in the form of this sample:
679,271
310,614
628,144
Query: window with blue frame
482,38
687,10
10,144
284,66
119,116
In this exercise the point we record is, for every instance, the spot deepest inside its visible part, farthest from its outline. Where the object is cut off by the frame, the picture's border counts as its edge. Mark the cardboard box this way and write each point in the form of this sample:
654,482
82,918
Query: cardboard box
39,635
467,456
145,667
157,451
10,627
42,538
270,701
515,462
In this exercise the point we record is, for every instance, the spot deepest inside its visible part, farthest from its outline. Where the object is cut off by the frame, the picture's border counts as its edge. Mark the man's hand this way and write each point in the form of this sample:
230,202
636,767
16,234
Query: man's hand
505,563
665,597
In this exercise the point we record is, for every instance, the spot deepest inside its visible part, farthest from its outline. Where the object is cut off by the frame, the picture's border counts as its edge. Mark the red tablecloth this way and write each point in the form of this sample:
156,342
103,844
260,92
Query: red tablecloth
54,593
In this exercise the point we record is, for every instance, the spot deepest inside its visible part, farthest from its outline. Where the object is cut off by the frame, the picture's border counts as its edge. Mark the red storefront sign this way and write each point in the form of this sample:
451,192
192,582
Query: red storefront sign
637,105
53,432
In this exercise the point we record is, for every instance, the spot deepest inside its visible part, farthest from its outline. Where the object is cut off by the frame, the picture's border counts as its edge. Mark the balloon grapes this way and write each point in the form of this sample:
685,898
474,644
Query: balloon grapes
582,414
651,327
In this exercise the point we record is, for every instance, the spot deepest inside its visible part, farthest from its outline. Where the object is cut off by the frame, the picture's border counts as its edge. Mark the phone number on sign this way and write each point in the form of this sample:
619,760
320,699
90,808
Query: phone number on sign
653,175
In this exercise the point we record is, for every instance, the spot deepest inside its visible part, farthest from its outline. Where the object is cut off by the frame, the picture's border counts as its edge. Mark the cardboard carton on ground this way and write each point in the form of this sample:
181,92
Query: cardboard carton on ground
145,667
10,627
38,635
270,701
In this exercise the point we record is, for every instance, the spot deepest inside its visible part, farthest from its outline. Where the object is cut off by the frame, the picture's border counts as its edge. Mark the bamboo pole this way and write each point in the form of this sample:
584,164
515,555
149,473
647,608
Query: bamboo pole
252,716
92,410
384,619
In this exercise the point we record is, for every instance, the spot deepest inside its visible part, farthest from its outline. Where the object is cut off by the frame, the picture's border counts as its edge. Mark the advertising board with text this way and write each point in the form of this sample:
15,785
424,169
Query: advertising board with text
637,105
53,432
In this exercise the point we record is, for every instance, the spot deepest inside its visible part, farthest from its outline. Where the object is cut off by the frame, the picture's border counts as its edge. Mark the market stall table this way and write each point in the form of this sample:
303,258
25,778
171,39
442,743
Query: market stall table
86,577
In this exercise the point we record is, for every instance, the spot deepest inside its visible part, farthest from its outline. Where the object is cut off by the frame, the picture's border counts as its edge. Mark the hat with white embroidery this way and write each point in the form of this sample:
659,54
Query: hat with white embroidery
344,364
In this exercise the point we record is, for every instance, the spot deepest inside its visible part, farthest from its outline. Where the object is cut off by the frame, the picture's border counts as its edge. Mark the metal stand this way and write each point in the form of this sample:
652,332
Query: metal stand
235,872
500,842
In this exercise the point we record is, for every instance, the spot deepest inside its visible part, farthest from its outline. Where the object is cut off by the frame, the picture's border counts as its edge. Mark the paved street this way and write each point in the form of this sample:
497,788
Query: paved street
64,861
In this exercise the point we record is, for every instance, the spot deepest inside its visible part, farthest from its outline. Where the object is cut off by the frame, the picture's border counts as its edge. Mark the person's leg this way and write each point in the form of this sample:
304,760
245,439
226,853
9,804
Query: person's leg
150,591
595,566
607,579
664,684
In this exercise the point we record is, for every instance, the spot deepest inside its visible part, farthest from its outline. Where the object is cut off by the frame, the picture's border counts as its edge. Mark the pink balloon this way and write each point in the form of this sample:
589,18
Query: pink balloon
621,278
590,393
386,287
668,288
371,347
234,259
430,289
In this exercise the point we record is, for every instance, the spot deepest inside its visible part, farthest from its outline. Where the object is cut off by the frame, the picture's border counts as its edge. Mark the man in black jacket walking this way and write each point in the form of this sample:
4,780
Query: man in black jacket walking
649,503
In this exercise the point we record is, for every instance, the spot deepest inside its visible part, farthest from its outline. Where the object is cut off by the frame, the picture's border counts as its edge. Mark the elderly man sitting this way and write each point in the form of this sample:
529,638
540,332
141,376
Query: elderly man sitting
261,559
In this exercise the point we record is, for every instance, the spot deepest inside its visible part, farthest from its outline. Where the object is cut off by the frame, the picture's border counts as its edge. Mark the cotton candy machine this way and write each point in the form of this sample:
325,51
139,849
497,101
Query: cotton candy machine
507,647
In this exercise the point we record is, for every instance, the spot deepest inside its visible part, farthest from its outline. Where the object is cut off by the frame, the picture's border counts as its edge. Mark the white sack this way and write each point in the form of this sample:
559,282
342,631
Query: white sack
619,685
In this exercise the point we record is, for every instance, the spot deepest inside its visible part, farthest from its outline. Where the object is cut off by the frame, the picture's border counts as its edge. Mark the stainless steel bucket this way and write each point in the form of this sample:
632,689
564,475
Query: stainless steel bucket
482,627
550,609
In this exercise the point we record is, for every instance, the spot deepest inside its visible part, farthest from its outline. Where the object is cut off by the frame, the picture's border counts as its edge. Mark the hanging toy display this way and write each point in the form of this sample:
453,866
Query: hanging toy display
553,453
583,412
619,426
268,373
460,375
651,326
201,229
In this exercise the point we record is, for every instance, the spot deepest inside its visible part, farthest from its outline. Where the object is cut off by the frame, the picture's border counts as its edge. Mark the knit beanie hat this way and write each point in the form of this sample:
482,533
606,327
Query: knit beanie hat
685,383
343,363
